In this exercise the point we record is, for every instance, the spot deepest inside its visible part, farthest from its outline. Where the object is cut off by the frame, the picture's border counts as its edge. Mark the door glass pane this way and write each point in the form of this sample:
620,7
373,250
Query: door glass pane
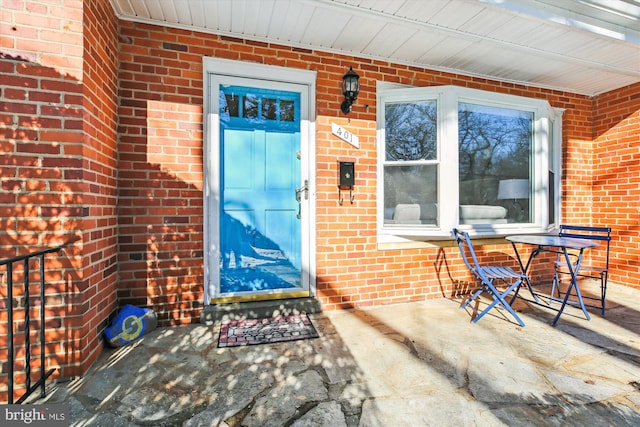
287,112
495,149
232,106
250,110
269,108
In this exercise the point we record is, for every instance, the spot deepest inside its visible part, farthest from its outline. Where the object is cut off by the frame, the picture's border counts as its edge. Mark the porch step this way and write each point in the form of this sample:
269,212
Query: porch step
259,309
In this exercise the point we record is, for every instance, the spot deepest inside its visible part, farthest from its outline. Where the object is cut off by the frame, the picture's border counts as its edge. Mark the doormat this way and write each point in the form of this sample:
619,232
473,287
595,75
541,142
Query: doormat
236,333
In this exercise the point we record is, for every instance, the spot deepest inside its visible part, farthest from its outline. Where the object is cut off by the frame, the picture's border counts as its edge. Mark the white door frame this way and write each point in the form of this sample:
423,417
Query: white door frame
213,70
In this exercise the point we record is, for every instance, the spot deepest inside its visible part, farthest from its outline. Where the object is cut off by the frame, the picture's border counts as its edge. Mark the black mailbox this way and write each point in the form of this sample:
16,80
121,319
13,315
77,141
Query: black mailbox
346,179
347,174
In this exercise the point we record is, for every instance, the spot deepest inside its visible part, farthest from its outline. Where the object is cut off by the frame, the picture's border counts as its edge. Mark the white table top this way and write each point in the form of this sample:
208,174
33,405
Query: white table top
552,241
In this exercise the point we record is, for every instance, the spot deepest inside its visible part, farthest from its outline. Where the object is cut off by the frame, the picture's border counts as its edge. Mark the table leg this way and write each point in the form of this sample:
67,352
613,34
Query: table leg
524,270
574,283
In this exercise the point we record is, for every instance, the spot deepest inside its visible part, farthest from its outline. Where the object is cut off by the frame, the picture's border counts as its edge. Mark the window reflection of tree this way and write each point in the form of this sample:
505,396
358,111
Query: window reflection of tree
411,131
287,111
411,135
231,105
493,144
269,106
250,107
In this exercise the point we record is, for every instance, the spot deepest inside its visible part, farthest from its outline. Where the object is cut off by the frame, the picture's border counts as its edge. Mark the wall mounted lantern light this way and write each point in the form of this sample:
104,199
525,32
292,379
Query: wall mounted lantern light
350,90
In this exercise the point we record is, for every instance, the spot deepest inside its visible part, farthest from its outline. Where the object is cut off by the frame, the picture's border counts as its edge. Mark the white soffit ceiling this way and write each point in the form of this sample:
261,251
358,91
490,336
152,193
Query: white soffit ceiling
580,46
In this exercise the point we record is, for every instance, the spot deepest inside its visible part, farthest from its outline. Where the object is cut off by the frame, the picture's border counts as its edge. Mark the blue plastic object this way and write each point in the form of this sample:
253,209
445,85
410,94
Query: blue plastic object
130,324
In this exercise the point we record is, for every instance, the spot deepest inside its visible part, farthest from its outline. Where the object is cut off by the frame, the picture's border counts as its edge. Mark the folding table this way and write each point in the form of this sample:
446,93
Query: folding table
558,245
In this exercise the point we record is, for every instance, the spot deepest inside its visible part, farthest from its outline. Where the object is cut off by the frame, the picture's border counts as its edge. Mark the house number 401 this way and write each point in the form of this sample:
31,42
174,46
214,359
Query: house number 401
345,135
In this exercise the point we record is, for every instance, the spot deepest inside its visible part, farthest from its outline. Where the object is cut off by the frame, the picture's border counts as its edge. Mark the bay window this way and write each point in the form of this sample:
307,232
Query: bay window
457,157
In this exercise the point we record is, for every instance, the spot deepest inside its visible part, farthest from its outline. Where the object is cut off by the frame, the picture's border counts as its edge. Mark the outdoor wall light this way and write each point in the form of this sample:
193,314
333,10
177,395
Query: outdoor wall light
350,90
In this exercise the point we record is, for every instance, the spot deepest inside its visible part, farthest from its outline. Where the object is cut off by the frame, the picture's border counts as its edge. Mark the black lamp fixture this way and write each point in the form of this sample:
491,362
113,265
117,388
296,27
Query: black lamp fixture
350,90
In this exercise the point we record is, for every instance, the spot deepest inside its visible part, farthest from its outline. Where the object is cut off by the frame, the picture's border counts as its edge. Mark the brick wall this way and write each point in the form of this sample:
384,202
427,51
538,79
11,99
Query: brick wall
99,177
160,171
161,210
616,181
161,237
57,164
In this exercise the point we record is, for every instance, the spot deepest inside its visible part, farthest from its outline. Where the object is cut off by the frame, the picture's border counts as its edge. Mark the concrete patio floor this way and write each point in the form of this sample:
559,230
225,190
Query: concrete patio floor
414,364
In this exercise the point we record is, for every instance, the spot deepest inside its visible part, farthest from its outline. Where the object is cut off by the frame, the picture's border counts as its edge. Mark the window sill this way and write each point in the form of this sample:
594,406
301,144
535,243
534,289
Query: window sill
396,238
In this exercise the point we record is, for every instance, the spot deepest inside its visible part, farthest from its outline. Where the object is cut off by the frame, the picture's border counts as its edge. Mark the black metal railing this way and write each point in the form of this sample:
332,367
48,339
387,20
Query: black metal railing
26,309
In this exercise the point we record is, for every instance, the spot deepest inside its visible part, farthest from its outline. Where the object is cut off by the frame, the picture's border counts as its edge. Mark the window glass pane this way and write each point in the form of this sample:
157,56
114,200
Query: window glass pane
269,107
230,105
411,130
287,111
411,194
495,149
250,110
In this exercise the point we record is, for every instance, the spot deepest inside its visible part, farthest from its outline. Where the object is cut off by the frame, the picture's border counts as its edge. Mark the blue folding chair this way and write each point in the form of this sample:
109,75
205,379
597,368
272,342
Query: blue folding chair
487,275
599,272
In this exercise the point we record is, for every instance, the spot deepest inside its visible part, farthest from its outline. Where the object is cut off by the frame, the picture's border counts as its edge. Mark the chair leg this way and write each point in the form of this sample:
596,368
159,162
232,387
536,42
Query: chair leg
507,306
603,290
554,283
515,294
475,295
498,298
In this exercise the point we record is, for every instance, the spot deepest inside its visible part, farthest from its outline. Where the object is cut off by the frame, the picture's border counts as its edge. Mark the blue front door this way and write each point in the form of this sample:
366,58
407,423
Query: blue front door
260,231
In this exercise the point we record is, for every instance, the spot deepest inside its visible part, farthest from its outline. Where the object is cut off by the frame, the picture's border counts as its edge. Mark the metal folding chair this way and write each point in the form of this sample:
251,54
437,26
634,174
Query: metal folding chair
594,271
487,275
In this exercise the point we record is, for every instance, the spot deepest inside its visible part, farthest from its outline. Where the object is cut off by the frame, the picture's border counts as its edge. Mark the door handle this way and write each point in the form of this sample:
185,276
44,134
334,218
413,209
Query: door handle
299,190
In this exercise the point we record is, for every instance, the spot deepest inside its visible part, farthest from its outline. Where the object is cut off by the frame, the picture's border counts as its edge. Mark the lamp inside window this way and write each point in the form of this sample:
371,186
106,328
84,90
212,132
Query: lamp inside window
514,190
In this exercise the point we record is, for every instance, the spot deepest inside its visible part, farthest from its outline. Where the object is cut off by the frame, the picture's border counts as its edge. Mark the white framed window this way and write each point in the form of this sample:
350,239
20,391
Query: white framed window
449,157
